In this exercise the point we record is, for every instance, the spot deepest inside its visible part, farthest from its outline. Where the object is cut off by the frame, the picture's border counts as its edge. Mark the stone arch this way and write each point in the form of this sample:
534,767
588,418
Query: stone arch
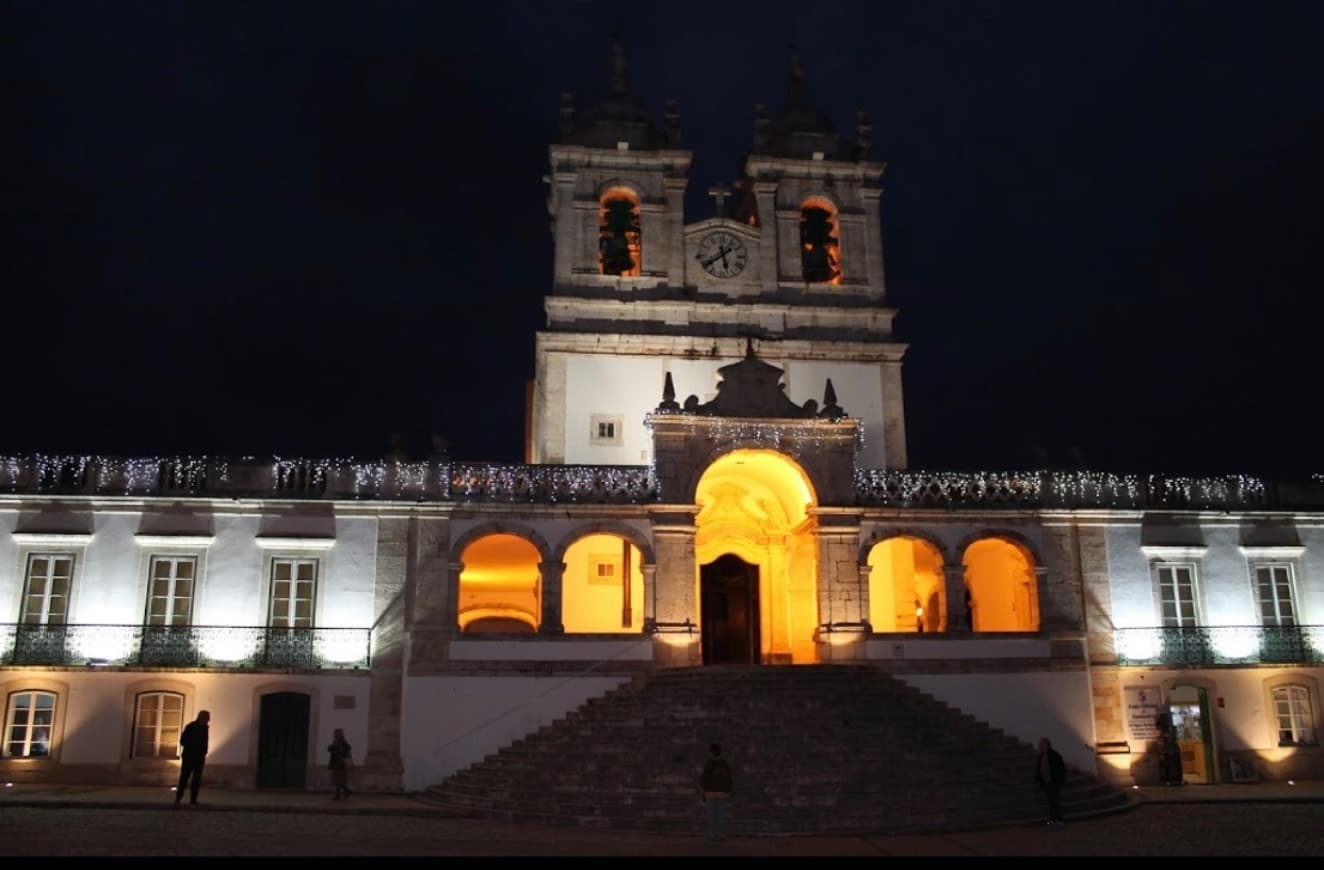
1001,581
604,527
497,527
728,447
507,579
883,533
907,584
619,183
1011,536
620,231
604,568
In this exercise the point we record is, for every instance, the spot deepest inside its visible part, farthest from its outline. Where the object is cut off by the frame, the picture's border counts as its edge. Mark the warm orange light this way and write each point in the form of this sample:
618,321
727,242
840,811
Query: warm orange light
500,581
1003,587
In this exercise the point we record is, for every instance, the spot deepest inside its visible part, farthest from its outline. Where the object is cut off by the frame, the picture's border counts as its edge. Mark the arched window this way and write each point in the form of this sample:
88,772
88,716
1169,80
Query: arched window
29,722
1294,718
820,243
158,718
500,586
620,236
602,589
1003,588
905,586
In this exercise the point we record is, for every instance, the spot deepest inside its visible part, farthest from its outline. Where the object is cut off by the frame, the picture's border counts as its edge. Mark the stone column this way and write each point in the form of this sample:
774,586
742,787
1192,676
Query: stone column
866,601
840,617
956,619
894,416
649,604
673,596
873,233
551,572
675,264
765,192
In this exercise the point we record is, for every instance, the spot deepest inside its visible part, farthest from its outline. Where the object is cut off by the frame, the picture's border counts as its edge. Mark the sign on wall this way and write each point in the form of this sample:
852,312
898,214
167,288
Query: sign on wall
1142,708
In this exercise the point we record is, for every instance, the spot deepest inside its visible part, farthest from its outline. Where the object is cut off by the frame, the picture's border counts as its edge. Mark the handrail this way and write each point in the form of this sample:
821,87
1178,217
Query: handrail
1220,644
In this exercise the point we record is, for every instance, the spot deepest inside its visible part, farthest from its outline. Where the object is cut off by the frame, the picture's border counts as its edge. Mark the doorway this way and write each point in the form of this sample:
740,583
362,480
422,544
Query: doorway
1190,719
282,742
729,604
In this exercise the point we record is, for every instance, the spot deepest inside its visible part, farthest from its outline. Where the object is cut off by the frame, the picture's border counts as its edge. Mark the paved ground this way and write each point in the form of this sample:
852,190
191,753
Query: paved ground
1237,820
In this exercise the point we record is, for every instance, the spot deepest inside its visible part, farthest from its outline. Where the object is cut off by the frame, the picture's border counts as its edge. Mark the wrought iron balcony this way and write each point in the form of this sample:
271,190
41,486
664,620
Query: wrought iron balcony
1221,645
191,646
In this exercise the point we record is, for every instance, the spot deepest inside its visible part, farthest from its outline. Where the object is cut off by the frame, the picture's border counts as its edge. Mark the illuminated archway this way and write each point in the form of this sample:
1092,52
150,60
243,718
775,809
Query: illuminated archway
602,589
820,241
500,585
1004,595
754,504
906,589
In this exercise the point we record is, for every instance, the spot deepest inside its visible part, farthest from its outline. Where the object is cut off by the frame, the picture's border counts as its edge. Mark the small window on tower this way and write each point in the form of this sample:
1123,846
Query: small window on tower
820,247
605,430
620,237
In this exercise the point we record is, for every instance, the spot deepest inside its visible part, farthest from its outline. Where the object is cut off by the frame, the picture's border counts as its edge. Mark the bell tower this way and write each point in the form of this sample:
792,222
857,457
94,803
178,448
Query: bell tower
791,260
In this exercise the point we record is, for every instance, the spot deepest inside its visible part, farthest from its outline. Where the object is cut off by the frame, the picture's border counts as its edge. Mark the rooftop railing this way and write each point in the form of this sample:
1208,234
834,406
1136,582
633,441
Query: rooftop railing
445,480
189,646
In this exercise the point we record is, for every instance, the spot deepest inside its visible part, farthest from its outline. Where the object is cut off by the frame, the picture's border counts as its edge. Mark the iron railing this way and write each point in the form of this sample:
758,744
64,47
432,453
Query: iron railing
191,646
1220,645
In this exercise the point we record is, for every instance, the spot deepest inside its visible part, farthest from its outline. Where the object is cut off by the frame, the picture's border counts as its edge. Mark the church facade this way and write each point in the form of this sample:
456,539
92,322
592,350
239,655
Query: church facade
716,475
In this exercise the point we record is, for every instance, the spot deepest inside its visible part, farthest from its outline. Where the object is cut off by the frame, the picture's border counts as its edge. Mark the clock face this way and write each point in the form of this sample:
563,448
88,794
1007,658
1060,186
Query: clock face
722,255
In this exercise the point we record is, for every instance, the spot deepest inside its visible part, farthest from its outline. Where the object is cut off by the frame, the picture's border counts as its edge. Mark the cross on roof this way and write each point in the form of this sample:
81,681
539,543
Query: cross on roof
719,192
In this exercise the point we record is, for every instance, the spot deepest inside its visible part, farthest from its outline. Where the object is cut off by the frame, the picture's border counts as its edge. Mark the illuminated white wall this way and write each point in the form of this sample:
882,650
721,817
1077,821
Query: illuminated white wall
110,581
631,387
1057,705
96,723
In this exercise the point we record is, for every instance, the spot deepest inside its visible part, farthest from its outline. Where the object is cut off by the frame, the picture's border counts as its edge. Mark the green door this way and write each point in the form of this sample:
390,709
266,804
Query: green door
282,742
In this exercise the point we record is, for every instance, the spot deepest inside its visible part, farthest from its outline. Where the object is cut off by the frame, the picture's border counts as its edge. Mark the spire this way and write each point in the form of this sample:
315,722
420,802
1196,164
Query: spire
797,77
617,82
830,407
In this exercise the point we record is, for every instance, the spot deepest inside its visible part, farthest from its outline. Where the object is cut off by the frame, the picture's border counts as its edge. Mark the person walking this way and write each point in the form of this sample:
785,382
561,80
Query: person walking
716,784
339,764
1050,772
192,757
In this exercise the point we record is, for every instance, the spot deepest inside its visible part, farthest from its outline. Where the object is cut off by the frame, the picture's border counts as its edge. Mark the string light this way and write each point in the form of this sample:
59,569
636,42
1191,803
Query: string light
620,484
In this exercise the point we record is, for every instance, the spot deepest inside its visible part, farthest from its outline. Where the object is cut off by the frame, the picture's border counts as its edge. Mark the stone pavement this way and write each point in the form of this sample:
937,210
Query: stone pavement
398,817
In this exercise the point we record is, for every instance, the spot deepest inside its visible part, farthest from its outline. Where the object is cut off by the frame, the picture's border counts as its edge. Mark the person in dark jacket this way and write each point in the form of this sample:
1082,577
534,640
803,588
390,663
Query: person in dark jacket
716,784
339,763
1050,772
192,756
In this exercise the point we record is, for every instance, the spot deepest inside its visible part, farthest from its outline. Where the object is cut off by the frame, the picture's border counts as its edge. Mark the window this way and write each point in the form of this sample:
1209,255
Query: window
620,237
605,430
47,599
293,587
170,594
1273,588
28,724
820,248
1292,711
1177,595
158,720
604,568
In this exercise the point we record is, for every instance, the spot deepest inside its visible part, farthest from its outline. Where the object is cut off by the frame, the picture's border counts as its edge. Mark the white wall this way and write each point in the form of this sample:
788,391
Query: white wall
1056,705
631,387
449,723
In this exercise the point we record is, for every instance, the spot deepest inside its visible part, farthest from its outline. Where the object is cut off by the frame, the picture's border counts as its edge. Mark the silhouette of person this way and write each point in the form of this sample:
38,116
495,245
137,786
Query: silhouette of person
339,763
193,755
716,784
1050,772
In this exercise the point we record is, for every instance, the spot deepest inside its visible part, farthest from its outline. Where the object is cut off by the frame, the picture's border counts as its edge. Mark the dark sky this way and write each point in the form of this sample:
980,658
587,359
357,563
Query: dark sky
300,227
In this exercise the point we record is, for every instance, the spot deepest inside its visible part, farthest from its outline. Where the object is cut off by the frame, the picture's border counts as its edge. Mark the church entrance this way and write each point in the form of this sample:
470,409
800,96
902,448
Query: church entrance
756,555
729,604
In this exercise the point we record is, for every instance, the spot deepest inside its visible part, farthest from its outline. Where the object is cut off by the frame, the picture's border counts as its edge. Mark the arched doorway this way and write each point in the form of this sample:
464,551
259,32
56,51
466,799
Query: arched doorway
729,603
757,559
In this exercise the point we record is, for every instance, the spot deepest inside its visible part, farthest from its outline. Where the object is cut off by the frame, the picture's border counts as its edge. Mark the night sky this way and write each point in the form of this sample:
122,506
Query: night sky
297,228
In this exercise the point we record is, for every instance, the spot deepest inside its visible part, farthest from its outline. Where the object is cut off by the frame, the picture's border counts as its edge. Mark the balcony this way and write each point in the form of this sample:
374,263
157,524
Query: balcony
192,646
1211,645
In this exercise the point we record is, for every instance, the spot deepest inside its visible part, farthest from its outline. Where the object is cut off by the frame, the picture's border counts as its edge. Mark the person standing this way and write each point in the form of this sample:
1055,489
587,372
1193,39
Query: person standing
716,784
192,757
340,761
1050,772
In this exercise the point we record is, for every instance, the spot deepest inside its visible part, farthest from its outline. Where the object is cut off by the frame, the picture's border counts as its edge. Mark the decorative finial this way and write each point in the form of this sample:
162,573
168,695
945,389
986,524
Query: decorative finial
673,123
863,133
749,347
617,76
830,407
797,76
668,396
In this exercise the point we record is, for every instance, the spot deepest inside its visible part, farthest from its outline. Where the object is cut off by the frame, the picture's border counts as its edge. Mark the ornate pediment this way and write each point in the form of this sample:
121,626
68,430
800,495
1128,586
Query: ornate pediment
751,388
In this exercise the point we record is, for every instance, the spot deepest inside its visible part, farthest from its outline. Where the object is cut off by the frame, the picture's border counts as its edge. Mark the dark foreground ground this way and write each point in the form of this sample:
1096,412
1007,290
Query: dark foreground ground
1176,829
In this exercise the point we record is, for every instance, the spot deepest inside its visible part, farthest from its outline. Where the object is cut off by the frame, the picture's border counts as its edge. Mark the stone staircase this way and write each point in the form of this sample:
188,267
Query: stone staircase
821,749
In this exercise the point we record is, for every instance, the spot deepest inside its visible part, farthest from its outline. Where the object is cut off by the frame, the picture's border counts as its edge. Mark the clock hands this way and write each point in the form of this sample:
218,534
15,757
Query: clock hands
720,255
